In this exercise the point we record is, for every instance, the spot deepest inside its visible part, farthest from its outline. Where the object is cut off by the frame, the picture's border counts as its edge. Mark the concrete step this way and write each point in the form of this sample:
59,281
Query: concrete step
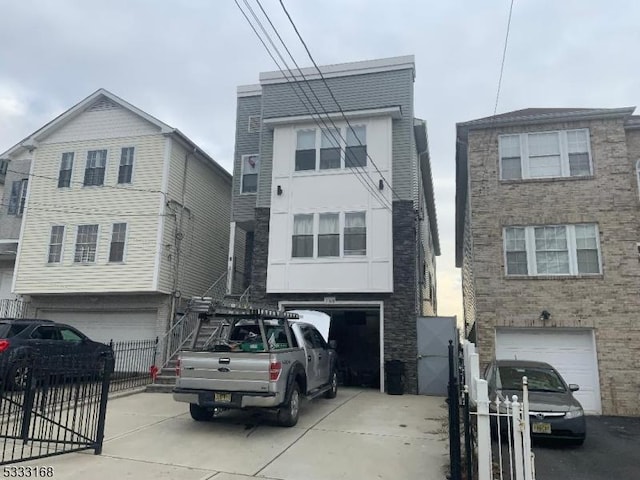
168,372
159,388
165,380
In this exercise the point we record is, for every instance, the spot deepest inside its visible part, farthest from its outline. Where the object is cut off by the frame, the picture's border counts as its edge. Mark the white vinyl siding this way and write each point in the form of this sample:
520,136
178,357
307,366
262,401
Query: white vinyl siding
552,250
563,153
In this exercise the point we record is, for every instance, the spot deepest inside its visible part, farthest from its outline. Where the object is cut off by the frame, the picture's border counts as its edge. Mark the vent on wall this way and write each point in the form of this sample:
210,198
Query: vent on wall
254,123
103,104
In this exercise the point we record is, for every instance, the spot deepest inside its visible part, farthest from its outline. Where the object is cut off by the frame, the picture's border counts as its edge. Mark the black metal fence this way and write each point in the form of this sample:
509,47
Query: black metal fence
52,404
134,364
459,415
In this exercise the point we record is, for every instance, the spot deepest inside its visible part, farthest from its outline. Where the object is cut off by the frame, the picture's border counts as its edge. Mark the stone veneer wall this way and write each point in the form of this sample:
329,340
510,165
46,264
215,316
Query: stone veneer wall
400,341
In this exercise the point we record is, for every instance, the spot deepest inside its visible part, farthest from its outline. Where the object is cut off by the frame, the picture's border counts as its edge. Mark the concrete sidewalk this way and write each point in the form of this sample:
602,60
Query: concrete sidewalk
360,434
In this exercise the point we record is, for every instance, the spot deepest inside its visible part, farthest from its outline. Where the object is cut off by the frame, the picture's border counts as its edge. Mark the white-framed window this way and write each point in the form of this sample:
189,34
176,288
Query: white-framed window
254,122
552,250
302,240
4,164
563,153
86,244
250,169
18,197
56,241
355,233
118,238
331,148
95,167
329,235
125,171
66,168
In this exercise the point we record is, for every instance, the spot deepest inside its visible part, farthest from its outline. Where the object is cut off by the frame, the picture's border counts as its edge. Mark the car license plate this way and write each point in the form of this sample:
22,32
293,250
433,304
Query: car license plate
222,397
538,427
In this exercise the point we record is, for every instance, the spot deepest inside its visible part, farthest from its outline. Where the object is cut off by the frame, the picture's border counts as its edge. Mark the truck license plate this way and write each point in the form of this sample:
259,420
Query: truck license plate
222,397
538,427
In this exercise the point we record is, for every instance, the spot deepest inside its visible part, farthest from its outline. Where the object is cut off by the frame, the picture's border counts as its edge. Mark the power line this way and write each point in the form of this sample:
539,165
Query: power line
293,84
324,80
67,210
504,56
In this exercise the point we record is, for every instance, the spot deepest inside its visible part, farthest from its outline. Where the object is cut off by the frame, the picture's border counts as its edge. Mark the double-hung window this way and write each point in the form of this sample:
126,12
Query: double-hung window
55,244
250,169
86,244
329,235
18,197
94,170
335,147
302,245
563,153
356,149
306,150
66,167
552,250
118,237
125,171
355,233
329,148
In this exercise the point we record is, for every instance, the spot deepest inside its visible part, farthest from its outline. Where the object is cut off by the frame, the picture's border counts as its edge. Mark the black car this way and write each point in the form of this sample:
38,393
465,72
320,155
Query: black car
54,348
553,410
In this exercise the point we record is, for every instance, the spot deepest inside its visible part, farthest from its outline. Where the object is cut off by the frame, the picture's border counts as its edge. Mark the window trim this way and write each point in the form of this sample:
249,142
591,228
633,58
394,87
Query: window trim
73,159
124,244
64,236
565,168
344,130
242,158
106,168
133,166
532,269
316,232
77,230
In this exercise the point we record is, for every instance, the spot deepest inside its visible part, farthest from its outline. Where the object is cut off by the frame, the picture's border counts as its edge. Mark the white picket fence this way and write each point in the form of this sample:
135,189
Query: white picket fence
514,458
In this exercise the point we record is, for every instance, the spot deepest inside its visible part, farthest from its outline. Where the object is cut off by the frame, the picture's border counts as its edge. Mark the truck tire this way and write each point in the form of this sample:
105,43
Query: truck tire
200,414
333,380
288,413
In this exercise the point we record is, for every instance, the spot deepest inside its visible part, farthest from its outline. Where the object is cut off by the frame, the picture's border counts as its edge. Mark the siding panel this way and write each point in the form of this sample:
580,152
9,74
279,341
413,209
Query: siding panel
247,143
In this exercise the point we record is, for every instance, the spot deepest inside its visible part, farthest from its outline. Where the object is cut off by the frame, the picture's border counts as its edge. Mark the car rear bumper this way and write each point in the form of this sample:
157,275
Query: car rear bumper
206,398
561,428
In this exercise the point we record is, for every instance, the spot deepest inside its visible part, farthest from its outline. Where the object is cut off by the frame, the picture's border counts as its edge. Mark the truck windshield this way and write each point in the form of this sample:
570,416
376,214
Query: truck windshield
245,336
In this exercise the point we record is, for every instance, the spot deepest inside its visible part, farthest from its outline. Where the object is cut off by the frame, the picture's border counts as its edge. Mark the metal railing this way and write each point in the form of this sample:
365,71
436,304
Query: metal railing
15,308
134,364
185,328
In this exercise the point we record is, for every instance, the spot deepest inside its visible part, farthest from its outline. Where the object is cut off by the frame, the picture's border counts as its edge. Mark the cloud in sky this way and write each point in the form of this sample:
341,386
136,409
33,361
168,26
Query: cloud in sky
181,62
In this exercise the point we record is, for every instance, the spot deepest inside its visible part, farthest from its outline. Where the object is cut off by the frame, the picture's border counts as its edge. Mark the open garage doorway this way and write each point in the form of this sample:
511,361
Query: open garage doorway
357,329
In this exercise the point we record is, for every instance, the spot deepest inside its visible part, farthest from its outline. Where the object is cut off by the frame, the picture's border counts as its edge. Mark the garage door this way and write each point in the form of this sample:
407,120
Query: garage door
572,353
104,326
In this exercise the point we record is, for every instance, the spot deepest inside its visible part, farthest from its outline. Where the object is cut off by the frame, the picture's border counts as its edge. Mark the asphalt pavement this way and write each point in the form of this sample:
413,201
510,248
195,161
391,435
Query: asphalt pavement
610,451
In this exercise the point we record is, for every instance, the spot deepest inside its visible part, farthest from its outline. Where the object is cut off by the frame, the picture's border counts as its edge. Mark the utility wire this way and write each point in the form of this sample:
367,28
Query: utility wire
67,210
324,80
308,104
504,56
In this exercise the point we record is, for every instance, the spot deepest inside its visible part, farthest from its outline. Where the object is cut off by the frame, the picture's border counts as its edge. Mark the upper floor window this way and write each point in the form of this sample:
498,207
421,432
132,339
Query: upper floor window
552,250
250,168
55,244
18,197
4,164
331,148
66,167
86,244
335,238
329,235
94,170
355,233
564,153
302,245
118,237
125,170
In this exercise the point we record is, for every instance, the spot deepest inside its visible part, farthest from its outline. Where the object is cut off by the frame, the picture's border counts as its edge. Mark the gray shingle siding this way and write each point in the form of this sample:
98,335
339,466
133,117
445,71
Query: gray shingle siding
243,205
355,92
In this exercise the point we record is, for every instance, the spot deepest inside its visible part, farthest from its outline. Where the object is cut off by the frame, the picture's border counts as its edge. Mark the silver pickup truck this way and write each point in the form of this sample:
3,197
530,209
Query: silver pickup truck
253,361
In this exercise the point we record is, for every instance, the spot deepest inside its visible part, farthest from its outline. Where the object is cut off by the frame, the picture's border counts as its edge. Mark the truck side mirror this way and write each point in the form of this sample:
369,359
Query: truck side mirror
333,344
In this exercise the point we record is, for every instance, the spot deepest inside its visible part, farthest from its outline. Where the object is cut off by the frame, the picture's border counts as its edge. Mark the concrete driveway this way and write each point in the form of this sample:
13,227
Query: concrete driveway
609,452
359,434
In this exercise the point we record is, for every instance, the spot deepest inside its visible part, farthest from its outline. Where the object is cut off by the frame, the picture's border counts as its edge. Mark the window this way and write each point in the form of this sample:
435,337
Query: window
302,236
18,197
330,149
86,244
126,165
250,168
66,167
552,250
329,235
562,153
55,244
4,164
94,170
69,335
355,233
306,150
356,151
118,236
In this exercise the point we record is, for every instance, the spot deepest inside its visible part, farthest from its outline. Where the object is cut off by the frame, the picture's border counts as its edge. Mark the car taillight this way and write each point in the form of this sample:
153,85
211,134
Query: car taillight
178,368
4,344
274,371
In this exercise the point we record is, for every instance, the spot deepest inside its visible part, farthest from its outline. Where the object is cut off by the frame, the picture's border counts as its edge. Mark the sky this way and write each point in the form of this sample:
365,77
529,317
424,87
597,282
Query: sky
181,61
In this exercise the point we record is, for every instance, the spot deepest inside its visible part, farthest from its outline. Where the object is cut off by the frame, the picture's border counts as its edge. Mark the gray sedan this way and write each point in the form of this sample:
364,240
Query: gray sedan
553,410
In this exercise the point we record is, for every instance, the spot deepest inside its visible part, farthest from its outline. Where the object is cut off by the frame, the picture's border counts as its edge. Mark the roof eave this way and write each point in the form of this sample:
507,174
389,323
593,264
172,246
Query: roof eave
422,145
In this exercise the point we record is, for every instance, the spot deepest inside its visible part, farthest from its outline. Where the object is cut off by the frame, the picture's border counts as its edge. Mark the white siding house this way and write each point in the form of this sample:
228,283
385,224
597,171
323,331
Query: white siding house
124,215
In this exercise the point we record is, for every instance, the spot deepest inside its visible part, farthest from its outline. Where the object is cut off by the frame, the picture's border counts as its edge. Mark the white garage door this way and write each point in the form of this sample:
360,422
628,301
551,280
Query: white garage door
104,326
572,353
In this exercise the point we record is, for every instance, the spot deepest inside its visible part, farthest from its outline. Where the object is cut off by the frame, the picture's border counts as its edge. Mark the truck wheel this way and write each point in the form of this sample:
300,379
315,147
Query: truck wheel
288,413
334,386
200,414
